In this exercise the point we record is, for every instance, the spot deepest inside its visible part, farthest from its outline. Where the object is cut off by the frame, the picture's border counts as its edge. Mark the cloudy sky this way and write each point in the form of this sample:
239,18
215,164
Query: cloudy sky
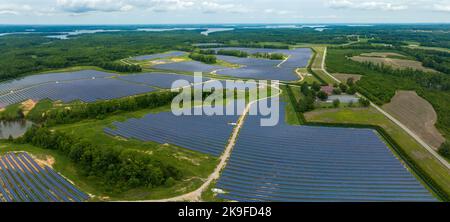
221,11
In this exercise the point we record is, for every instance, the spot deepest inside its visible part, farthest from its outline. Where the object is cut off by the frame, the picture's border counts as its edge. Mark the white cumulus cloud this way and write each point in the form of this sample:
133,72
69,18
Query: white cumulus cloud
14,9
83,6
367,5
205,6
442,7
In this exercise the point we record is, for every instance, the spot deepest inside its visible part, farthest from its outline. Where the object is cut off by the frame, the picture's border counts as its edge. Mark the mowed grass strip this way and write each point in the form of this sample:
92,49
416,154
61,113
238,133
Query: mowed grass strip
438,172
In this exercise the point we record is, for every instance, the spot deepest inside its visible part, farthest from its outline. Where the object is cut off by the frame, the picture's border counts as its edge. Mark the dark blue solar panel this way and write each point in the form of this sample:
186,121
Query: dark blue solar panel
161,80
86,90
25,180
159,56
303,163
28,81
207,134
267,69
164,80
190,66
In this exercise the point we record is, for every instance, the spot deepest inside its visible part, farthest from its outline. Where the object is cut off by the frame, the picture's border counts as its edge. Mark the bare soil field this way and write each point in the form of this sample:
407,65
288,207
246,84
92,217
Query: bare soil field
417,114
343,77
27,106
382,54
395,63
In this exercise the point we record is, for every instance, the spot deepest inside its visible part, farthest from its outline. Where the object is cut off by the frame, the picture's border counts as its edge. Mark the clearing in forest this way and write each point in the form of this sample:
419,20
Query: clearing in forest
394,62
417,114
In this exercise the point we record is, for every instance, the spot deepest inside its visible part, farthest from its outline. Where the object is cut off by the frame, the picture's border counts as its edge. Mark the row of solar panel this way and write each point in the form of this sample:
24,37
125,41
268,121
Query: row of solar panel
69,89
299,163
199,133
28,81
84,90
23,180
159,56
267,69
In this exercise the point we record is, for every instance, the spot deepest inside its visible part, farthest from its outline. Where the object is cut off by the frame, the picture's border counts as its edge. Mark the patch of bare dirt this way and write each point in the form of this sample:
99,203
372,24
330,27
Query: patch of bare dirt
395,63
27,106
382,54
417,114
48,161
177,60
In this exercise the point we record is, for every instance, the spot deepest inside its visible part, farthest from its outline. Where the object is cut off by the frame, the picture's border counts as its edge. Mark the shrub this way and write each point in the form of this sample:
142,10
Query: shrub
337,91
444,150
364,102
316,86
336,103
343,87
351,90
322,95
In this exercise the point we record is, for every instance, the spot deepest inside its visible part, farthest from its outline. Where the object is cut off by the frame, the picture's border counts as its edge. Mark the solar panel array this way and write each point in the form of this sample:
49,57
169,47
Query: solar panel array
307,164
28,81
23,180
85,90
160,80
189,66
206,134
164,80
87,86
160,56
264,68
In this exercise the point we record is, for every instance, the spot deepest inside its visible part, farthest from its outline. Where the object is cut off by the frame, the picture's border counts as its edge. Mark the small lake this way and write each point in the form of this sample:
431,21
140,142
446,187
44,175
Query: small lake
14,128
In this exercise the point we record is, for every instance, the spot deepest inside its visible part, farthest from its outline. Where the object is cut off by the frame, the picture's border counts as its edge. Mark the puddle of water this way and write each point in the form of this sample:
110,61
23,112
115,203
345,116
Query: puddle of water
14,128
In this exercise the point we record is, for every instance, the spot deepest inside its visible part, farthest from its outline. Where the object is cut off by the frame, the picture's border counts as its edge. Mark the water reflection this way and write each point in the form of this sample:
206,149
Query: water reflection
14,128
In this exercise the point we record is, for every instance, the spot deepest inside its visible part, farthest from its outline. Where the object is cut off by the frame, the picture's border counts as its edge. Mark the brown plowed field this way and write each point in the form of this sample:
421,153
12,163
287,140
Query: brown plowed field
395,63
417,114
343,77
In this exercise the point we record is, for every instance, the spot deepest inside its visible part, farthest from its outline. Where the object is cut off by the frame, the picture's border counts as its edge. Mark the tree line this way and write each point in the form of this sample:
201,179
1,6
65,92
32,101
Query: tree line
115,169
100,109
114,66
208,59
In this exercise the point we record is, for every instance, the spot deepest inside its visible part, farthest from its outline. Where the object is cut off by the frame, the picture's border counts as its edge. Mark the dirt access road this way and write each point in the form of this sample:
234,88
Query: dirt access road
195,195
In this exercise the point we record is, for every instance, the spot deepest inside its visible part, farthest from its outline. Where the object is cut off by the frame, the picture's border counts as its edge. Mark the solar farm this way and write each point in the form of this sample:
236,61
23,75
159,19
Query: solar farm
159,56
189,66
86,86
284,163
310,164
200,133
22,179
254,68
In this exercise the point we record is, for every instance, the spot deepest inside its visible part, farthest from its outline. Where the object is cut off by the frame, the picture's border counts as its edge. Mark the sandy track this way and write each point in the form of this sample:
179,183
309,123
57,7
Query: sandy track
195,195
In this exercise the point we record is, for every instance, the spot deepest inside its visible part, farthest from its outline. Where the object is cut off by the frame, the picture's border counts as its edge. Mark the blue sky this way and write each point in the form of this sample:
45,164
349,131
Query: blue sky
222,11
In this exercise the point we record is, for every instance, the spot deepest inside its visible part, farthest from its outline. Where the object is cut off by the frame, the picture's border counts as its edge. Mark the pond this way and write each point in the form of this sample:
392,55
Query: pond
14,128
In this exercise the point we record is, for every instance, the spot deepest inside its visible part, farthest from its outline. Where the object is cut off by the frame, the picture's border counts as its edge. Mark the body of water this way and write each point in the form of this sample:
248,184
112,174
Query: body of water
14,128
